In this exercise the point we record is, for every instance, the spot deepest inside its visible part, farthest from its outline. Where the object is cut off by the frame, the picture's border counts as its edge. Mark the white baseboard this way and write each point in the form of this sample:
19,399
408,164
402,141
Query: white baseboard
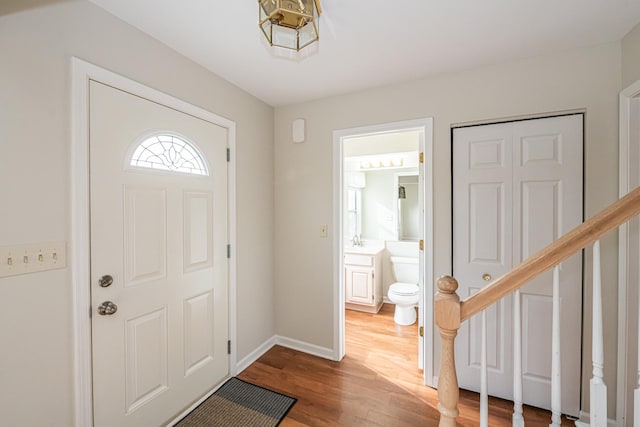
255,354
585,420
315,350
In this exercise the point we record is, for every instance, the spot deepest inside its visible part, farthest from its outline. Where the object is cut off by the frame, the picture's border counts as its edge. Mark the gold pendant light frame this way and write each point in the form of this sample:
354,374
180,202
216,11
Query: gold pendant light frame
290,24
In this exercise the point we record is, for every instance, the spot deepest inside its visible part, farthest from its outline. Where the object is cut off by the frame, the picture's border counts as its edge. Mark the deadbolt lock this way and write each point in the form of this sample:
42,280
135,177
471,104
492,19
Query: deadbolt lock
105,281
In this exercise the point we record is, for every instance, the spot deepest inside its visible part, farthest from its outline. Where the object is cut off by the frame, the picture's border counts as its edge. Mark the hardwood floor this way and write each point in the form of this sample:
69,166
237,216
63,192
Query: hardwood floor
378,382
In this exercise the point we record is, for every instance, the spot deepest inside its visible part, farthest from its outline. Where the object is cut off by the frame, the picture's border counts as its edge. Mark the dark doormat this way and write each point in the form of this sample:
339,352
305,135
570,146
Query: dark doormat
239,403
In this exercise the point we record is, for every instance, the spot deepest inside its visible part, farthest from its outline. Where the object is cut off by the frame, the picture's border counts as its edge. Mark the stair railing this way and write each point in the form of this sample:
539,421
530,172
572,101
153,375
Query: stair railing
450,312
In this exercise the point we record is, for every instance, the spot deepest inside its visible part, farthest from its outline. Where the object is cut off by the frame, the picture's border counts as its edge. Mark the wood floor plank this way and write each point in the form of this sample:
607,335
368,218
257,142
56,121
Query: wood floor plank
378,382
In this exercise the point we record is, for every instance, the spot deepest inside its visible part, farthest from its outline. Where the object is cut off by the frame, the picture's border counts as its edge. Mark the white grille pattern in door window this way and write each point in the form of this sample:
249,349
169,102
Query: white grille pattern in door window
169,153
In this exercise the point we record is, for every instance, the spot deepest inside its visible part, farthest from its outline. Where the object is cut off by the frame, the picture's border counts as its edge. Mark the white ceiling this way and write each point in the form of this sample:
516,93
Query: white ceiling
369,43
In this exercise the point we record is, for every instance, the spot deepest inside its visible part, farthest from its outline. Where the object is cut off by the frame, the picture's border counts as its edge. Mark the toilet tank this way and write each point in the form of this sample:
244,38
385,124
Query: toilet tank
405,269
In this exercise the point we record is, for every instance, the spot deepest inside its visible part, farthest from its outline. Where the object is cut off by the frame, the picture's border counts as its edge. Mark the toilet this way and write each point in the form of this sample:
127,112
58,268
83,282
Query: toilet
405,292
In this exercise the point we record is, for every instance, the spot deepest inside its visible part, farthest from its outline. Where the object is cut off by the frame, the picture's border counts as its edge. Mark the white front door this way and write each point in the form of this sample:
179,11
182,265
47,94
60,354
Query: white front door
159,230
518,187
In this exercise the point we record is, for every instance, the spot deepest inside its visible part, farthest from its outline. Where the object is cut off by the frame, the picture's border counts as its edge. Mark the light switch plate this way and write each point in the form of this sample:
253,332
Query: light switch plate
23,259
324,230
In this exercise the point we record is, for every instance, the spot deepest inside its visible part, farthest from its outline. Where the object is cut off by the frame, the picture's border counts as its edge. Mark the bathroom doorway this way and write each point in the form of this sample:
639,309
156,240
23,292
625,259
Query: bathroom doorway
383,209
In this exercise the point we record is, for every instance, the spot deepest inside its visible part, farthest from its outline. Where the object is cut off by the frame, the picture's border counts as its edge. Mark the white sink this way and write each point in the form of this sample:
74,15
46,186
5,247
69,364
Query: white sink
369,250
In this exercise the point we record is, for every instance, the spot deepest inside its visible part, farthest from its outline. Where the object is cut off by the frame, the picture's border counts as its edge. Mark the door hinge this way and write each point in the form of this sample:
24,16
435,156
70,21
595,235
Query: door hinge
228,154
422,245
229,347
422,157
422,331
228,251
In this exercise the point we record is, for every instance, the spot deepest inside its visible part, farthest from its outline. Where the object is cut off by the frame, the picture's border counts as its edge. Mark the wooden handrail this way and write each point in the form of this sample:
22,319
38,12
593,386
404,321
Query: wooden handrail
450,312
580,237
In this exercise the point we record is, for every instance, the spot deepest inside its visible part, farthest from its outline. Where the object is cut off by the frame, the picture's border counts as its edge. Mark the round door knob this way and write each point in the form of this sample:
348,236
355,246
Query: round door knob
107,308
486,277
105,281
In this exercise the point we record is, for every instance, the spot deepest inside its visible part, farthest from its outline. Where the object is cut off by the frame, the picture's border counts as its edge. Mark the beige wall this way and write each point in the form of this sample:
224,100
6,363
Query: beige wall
631,57
581,79
36,315
35,51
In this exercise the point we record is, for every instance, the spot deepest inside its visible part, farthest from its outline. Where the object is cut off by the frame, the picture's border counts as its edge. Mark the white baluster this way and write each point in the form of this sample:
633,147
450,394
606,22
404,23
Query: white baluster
484,389
556,382
518,420
598,389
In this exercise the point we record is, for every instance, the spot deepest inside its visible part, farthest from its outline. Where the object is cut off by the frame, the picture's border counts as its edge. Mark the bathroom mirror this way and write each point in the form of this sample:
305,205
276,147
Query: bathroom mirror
373,209
370,193
407,202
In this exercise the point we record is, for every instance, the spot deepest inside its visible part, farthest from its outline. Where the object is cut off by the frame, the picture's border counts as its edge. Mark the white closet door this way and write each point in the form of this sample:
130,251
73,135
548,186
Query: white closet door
482,246
517,188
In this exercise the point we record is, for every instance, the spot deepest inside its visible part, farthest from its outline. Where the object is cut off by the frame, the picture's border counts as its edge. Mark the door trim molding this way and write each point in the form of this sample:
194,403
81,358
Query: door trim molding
509,119
426,146
81,73
626,143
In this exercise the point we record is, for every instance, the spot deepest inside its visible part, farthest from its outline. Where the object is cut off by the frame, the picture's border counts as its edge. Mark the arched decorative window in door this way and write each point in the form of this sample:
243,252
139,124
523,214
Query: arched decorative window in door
169,153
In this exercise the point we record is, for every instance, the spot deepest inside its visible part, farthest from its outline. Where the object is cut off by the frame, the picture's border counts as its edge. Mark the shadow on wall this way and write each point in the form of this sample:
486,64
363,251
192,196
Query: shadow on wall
8,7
395,248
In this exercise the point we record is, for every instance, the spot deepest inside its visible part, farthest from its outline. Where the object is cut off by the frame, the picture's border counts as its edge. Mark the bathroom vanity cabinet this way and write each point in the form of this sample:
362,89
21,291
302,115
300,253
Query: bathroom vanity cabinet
363,280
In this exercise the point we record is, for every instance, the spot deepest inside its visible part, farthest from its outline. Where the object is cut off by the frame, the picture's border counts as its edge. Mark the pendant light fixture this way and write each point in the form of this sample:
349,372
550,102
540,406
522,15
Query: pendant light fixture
291,24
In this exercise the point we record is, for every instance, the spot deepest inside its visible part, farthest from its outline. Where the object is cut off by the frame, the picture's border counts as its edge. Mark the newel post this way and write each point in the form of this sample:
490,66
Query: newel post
447,306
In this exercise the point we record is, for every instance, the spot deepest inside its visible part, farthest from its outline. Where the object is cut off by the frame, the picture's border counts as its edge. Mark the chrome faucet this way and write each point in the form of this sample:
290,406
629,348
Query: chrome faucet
355,241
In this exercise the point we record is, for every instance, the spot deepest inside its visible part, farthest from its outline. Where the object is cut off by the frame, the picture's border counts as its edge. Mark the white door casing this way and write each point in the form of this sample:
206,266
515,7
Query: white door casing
425,318
628,255
162,236
517,187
